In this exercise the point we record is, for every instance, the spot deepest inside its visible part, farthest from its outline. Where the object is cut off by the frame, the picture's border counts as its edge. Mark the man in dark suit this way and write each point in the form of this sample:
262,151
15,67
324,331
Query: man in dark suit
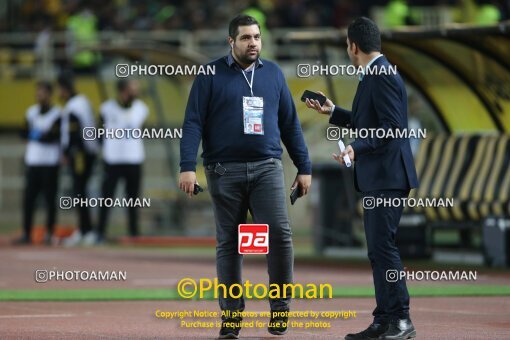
384,169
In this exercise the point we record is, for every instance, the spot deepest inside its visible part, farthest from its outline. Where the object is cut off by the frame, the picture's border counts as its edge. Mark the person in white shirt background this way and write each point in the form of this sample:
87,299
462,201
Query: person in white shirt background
79,153
122,157
42,158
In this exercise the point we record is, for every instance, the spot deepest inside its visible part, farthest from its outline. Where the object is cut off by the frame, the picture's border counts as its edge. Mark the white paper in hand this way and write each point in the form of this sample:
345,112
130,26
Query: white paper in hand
347,160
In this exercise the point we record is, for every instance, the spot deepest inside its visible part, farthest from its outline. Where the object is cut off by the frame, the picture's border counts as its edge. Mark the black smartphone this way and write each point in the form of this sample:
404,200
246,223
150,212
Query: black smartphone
312,95
295,194
197,189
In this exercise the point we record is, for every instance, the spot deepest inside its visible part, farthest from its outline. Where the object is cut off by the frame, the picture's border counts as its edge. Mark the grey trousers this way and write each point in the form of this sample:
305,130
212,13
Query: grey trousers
258,187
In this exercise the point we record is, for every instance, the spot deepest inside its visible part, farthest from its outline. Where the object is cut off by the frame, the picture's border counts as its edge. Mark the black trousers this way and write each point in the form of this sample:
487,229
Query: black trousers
40,179
132,174
381,225
81,167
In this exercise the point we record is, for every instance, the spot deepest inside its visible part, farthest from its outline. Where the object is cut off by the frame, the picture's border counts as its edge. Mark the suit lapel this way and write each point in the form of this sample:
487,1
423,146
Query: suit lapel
363,83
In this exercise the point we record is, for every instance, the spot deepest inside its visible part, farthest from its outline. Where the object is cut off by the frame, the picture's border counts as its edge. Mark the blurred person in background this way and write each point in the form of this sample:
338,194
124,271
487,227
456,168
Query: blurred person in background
396,13
82,31
42,158
79,153
414,121
256,11
123,157
489,12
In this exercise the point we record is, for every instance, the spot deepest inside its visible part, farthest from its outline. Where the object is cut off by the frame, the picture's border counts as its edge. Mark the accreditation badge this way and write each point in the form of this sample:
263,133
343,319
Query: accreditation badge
253,115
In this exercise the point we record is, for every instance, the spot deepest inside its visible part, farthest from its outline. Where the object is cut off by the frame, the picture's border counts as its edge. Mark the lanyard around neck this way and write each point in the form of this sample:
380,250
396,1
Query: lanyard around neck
250,84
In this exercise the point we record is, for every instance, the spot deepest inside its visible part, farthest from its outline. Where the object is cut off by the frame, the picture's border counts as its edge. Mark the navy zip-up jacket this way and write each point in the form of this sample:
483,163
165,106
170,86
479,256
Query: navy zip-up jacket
215,114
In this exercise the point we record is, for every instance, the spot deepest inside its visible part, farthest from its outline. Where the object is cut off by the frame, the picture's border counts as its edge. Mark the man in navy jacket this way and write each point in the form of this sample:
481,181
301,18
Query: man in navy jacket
384,169
241,113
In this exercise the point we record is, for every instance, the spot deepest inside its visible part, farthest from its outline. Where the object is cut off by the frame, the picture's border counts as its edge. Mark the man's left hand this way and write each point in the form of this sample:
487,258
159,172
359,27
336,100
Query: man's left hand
304,182
349,151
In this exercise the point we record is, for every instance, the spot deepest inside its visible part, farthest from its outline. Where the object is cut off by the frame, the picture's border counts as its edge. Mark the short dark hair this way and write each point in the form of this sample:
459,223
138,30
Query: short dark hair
240,20
365,34
66,81
122,84
46,85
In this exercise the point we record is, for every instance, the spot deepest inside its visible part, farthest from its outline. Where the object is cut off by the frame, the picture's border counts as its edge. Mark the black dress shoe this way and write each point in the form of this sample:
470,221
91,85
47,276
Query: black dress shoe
278,322
230,328
372,332
400,330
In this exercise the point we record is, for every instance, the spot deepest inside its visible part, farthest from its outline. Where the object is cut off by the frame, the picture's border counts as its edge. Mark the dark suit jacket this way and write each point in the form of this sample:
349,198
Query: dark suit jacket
380,102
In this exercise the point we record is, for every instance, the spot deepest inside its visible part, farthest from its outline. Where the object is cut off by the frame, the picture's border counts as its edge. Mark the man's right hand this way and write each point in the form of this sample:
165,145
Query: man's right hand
324,109
187,180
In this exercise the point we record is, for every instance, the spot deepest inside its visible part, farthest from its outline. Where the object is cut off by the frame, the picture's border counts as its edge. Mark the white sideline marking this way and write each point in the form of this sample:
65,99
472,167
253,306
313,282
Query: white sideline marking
20,316
155,282
461,312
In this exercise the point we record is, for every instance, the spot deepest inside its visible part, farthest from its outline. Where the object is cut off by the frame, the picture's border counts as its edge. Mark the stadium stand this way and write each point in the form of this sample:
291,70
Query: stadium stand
457,167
